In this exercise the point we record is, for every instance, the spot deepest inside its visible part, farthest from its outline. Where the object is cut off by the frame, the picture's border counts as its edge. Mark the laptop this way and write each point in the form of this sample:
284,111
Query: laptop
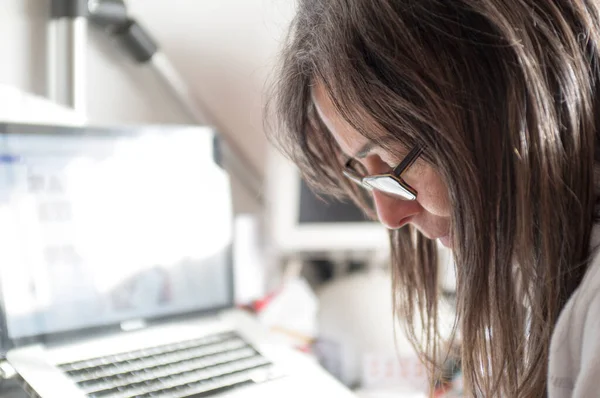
116,276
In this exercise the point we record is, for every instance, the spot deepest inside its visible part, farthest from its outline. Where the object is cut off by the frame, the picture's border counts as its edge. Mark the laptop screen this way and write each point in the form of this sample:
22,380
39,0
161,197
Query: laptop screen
101,226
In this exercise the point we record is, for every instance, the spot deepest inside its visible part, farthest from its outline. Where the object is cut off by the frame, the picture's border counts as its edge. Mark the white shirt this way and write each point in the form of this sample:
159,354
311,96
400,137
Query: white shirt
574,358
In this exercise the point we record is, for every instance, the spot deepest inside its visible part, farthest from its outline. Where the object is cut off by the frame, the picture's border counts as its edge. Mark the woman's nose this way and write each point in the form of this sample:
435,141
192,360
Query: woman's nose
394,212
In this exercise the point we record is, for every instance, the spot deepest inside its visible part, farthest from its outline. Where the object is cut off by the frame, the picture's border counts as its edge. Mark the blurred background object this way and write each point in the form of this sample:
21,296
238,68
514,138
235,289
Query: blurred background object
19,106
223,49
357,334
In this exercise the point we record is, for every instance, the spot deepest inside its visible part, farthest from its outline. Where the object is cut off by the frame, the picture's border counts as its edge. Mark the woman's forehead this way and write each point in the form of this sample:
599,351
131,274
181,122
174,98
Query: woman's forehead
348,139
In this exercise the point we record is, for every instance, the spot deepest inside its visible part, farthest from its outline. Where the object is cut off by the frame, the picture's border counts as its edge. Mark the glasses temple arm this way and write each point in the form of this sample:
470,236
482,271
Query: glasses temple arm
408,160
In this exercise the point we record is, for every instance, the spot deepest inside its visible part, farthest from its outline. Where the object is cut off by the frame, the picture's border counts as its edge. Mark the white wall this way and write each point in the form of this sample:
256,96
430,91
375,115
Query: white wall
224,48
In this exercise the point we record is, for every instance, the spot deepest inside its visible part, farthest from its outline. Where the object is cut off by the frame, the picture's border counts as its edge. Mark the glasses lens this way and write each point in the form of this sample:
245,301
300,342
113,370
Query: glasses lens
355,172
357,179
391,186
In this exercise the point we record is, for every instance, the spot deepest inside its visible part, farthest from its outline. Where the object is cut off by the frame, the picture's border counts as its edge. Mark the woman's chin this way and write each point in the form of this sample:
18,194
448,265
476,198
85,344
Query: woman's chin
445,240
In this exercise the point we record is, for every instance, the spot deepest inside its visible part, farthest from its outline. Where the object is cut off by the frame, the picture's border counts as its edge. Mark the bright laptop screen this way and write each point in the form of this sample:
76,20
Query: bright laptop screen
99,226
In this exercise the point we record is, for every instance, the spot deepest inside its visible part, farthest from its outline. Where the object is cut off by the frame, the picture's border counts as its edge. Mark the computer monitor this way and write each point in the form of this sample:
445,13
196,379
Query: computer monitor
103,226
301,222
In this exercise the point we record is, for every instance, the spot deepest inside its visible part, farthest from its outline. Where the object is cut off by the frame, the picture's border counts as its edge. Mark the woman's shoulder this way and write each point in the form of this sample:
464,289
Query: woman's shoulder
575,333
588,293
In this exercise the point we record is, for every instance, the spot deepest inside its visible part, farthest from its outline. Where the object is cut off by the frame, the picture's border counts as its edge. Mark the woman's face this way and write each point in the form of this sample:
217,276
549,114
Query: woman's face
429,213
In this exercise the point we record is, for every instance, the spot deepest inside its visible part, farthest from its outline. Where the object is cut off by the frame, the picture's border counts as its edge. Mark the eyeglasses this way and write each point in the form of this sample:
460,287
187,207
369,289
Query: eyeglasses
391,183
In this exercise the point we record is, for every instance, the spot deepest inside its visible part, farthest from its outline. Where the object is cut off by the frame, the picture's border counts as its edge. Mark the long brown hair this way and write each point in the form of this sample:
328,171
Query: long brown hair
503,96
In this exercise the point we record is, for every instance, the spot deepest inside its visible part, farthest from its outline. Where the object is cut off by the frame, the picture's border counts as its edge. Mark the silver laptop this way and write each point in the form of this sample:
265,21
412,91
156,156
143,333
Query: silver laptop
116,270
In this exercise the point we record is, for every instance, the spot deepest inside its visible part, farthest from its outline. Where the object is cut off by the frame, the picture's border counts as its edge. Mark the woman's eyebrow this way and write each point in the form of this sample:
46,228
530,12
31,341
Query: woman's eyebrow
365,149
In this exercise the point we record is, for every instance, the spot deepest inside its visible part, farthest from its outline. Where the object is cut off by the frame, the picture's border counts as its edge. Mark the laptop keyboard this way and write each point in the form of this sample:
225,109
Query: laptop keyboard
192,368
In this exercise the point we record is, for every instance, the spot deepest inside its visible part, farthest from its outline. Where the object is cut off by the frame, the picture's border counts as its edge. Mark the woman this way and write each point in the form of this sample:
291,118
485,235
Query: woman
486,114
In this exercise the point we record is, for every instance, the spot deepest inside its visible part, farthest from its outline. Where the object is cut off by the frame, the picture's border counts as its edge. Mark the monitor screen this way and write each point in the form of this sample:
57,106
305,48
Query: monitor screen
300,221
313,209
99,226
